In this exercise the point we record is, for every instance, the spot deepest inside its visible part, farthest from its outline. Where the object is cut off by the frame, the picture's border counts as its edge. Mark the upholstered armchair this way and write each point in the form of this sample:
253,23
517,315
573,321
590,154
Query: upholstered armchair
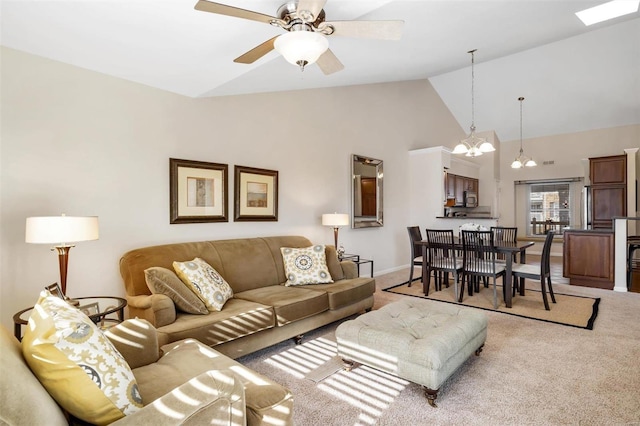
213,396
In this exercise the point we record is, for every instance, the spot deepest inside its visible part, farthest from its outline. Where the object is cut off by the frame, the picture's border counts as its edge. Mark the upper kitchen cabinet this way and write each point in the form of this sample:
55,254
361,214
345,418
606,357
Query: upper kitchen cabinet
457,185
608,170
608,177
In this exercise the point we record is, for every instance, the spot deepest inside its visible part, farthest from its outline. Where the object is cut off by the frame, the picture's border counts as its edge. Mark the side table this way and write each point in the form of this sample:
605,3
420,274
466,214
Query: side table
355,258
96,307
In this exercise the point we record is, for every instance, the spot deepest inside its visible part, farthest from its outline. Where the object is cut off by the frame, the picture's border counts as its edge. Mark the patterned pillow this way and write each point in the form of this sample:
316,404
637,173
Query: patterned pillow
77,364
305,265
205,282
164,281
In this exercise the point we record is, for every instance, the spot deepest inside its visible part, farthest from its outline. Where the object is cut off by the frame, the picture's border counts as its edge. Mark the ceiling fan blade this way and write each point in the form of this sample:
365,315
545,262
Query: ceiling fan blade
223,9
382,30
257,52
313,6
329,63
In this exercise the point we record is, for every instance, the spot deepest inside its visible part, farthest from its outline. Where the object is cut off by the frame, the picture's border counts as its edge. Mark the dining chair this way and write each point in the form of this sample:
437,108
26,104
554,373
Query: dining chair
479,261
442,257
541,273
415,236
505,234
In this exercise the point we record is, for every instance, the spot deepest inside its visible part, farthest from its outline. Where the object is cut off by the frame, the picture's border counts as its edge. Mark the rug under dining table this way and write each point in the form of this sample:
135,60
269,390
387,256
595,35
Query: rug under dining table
575,311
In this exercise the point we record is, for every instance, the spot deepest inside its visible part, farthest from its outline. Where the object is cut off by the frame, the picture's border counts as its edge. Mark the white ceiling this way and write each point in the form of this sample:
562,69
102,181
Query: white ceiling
572,77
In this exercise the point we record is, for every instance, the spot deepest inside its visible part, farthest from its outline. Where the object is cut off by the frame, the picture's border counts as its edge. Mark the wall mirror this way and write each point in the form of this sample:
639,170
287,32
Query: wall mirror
366,192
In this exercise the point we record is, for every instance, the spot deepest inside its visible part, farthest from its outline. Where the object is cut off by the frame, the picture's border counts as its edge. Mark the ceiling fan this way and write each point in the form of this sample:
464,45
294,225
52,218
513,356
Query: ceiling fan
304,42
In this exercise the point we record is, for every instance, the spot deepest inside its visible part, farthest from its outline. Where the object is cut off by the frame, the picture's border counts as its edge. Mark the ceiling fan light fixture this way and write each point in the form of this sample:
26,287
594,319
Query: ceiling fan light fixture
301,47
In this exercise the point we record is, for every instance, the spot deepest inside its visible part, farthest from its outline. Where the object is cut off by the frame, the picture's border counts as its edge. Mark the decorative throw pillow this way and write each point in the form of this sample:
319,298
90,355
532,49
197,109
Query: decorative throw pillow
77,364
305,265
164,281
205,282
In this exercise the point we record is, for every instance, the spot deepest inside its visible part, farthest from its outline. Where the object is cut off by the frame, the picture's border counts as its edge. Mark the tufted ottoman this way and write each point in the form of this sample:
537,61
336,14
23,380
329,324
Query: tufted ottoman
418,340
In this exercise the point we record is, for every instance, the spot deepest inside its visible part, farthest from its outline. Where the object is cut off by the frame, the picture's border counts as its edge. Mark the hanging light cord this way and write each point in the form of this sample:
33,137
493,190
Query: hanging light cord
521,99
473,101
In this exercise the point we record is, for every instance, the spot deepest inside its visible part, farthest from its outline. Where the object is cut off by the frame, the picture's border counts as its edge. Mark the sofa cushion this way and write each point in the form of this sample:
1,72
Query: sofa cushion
23,400
77,364
346,292
164,281
205,281
305,265
267,402
289,303
238,318
333,263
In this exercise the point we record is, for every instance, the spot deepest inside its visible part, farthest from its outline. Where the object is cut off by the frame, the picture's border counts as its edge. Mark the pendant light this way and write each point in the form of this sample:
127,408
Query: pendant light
473,146
521,160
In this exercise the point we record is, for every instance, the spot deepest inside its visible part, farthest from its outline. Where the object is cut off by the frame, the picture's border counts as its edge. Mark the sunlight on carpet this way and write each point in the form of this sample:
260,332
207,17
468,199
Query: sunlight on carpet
370,390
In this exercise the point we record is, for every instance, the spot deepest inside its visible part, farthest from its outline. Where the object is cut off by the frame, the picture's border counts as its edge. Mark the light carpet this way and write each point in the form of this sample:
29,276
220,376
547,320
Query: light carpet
576,311
529,373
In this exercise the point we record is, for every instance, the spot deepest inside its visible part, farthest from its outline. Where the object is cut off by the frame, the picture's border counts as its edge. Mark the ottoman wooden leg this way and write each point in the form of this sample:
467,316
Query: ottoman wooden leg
431,396
347,364
479,350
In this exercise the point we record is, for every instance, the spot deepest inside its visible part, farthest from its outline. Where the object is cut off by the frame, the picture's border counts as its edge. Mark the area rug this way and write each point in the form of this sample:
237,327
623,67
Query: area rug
574,311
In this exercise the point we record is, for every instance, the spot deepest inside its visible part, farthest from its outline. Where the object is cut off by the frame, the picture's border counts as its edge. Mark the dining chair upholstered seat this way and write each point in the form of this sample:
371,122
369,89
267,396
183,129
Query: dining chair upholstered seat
479,261
442,257
415,236
541,273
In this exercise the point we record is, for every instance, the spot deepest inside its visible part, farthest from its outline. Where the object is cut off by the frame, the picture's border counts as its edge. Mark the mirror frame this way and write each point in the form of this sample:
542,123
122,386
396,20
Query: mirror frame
378,220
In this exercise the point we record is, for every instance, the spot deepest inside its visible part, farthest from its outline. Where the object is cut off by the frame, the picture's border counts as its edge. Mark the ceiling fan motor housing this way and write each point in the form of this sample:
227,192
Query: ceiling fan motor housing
294,19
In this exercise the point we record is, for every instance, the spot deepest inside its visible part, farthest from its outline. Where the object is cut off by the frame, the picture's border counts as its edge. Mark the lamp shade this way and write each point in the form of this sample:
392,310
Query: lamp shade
335,219
301,47
61,229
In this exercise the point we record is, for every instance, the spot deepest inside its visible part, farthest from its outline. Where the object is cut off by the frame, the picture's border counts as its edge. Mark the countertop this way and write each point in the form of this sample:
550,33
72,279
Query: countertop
590,231
468,217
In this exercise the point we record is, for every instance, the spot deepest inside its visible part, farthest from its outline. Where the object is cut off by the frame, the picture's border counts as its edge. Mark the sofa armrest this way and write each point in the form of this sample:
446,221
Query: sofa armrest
158,309
136,340
350,269
215,397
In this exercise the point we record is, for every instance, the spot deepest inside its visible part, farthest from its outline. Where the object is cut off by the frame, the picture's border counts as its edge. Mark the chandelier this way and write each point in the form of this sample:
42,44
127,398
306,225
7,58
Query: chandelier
473,146
521,160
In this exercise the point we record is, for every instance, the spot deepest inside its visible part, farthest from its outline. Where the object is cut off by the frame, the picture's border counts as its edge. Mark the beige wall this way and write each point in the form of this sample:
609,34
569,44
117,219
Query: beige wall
83,143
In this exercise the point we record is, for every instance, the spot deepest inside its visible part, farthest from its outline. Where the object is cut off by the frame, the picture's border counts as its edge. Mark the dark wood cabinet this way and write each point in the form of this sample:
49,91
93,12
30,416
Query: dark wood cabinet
608,177
588,258
610,170
456,185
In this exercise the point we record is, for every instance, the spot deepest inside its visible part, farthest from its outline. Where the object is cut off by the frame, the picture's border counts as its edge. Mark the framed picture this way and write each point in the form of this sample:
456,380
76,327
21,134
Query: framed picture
198,191
55,290
90,309
256,194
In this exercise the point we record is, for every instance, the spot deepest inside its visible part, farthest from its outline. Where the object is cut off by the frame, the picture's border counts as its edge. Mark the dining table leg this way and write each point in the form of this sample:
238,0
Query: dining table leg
508,279
425,269
523,259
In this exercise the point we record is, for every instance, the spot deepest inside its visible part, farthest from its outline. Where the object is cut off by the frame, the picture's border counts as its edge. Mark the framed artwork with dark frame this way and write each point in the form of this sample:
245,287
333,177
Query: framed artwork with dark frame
198,191
256,194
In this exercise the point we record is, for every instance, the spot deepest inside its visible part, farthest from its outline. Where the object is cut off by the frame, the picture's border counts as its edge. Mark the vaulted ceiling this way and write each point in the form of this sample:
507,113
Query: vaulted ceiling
573,77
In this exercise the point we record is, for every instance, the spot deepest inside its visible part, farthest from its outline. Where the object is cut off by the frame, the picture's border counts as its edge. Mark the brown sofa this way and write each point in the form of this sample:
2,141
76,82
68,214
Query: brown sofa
263,310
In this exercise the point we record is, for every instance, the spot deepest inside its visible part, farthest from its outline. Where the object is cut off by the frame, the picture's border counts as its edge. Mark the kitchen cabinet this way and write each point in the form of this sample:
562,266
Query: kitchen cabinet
608,177
588,258
456,186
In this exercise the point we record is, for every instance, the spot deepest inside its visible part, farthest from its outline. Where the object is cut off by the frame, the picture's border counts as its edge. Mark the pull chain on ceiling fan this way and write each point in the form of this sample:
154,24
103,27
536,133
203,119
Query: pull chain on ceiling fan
305,41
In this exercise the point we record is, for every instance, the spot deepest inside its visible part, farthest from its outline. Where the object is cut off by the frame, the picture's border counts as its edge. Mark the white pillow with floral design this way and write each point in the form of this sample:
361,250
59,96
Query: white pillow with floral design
305,265
205,282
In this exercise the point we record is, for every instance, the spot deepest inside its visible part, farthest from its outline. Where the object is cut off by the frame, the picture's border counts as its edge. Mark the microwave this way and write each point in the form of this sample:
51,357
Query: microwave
470,199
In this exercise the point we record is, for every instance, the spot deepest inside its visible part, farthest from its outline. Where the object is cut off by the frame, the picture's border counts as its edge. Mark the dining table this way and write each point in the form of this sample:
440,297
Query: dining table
508,248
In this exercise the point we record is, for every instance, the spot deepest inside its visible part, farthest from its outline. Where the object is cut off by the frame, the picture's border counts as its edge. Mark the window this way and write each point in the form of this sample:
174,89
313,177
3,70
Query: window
549,208
549,205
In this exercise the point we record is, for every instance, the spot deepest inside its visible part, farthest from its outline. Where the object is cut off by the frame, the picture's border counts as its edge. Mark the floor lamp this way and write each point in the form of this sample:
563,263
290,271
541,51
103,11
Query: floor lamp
61,230
335,220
